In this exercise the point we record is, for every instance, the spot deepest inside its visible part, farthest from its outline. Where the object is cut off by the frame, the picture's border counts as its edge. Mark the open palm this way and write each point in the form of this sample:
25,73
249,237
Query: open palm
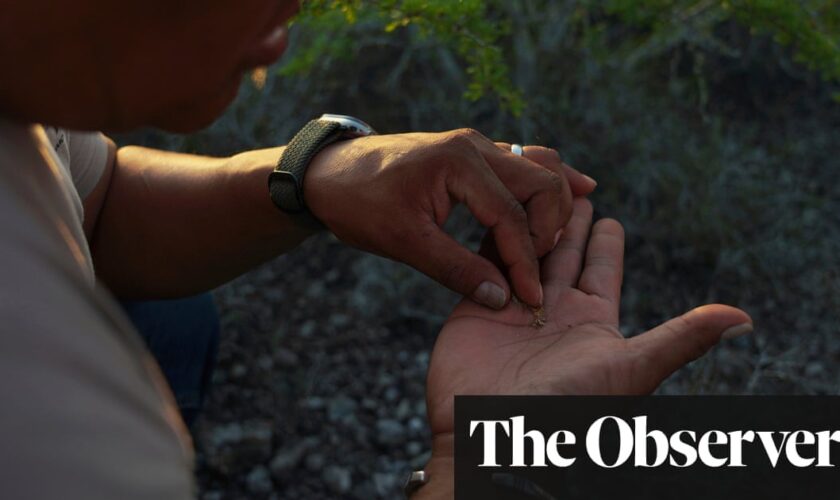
580,349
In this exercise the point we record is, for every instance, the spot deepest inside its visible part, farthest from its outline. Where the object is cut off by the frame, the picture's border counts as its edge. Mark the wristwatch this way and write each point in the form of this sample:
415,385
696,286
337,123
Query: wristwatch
285,183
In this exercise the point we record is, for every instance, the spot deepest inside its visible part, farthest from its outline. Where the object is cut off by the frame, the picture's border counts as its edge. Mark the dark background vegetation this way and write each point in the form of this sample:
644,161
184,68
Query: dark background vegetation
714,147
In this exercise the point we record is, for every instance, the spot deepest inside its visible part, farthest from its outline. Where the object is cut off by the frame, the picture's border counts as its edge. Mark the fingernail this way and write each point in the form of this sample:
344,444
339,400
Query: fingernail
541,296
590,179
491,295
557,236
736,331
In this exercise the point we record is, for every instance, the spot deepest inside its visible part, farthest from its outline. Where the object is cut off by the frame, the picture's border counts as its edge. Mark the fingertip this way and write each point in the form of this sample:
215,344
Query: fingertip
610,226
580,184
722,315
491,295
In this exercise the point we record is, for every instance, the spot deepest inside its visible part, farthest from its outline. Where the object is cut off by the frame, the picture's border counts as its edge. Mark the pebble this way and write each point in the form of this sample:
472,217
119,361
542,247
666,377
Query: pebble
307,329
392,394
385,484
250,442
315,290
290,456
265,363
340,407
286,358
315,462
416,426
340,320
238,371
403,411
389,432
258,481
338,479
413,448
314,403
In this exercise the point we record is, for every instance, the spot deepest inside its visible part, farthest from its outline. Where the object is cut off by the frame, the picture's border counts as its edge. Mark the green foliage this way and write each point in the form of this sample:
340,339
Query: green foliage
812,27
476,31
470,27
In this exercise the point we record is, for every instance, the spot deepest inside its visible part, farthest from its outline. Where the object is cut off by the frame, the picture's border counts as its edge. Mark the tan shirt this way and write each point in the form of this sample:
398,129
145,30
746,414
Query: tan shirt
84,411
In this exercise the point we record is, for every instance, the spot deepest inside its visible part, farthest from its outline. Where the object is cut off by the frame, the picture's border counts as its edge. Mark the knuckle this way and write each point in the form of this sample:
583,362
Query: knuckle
516,212
452,273
466,133
557,183
458,144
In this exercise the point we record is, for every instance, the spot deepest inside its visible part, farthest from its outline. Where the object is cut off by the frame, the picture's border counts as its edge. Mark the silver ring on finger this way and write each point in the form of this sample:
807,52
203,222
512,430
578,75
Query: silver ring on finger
517,149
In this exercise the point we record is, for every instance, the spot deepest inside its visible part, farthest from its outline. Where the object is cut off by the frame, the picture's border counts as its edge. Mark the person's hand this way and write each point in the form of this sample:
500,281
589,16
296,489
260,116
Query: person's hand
579,351
391,195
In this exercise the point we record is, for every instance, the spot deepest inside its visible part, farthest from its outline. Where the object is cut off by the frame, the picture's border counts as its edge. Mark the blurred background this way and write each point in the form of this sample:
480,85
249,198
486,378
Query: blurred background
714,133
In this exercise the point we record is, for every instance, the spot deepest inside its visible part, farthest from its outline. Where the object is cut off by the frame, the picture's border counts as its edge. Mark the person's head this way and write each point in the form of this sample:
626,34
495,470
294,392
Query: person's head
115,65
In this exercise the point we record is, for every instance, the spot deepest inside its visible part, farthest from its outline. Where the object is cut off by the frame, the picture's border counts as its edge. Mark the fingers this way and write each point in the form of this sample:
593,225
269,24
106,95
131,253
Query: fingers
681,340
604,269
459,269
473,183
562,267
580,184
544,193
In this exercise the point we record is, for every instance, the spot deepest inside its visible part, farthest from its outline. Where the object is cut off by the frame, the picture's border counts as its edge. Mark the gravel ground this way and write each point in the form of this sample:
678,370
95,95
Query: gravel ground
319,389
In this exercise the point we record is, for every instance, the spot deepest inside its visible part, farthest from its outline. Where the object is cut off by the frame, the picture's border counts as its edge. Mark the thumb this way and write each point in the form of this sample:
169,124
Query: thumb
456,267
681,340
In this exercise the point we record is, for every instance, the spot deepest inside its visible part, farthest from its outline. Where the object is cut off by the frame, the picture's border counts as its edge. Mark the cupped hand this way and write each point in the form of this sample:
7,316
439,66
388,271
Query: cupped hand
579,350
391,195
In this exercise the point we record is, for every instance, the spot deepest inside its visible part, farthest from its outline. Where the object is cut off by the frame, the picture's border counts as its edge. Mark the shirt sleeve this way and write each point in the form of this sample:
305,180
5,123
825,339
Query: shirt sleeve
88,152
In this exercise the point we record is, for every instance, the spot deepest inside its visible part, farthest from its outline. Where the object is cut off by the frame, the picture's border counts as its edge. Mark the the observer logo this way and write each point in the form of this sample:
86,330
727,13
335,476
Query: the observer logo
682,448
686,447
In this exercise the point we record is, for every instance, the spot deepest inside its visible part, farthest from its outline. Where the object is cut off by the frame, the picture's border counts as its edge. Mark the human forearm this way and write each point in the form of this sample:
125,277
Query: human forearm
175,224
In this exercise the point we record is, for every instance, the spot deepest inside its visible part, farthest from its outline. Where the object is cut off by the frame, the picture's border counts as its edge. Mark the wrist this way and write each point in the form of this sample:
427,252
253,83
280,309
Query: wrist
255,166
440,469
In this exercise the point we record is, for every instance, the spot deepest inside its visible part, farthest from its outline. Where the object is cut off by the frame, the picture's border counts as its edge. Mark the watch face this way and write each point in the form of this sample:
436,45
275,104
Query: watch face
353,127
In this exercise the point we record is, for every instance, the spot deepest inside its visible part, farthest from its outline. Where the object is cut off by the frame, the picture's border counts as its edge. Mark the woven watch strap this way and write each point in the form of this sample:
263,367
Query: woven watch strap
315,136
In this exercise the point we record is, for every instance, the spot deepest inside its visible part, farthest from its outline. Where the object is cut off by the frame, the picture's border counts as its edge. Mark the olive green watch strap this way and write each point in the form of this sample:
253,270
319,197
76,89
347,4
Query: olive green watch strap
285,184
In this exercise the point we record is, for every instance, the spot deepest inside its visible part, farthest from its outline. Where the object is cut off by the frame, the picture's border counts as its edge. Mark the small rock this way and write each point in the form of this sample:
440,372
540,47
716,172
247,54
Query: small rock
413,448
385,484
422,358
289,457
265,363
238,371
258,481
421,460
286,358
389,432
392,394
340,407
314,403
340,320
364,491
248,443
813,369
226,434
338,479
315,462
315,290
308,328
416,426
403,411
